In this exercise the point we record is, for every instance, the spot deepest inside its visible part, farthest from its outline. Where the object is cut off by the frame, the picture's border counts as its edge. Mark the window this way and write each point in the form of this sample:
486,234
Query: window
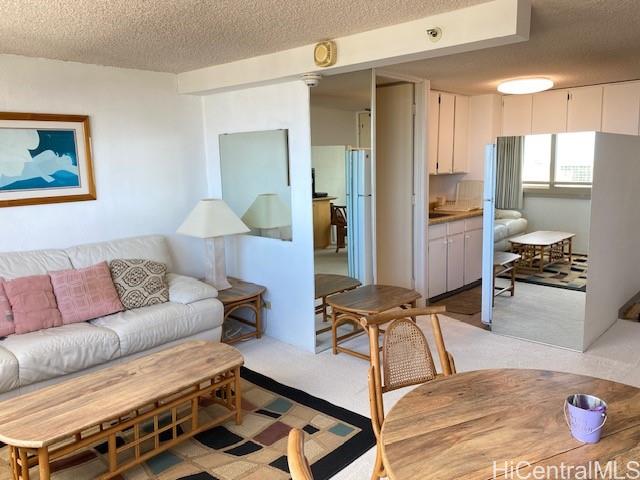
559,163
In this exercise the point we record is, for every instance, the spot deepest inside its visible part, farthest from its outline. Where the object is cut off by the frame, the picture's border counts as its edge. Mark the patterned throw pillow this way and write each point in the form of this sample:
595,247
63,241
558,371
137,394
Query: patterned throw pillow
140,283
85,293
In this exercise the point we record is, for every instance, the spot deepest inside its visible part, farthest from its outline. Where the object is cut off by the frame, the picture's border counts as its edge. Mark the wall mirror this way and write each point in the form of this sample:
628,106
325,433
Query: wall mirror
256,183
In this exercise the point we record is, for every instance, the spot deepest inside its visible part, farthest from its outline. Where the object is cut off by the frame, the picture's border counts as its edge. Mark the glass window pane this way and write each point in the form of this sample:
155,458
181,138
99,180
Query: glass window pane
537,158
574,157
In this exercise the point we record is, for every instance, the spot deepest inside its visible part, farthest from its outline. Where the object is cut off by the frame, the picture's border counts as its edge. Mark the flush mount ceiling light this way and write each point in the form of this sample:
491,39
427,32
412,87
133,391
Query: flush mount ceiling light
525,85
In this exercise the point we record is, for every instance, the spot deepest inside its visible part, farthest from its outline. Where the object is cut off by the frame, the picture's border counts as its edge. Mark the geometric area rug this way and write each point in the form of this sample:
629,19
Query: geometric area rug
560,275
255,450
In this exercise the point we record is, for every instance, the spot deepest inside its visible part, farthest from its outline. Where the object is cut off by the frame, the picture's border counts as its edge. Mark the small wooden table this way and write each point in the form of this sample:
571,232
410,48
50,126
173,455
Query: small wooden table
349,307
330,284
457,426
243,295
557,246
504,262
161,391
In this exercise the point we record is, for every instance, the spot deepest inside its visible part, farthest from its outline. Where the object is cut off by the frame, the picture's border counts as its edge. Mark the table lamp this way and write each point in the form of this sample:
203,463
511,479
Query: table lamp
267,212
212,219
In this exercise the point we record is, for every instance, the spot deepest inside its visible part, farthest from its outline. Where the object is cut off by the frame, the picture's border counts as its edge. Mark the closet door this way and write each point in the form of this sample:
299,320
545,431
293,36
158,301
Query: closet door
445,132
516,115
585,109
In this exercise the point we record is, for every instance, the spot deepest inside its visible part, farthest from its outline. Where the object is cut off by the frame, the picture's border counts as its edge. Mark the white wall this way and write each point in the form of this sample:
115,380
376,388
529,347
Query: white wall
333,126
285,268
148,155
560,214
614,256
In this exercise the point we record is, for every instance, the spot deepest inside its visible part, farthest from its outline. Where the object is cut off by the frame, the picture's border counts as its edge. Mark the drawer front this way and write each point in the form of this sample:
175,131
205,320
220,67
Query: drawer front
455,227
437,231
474,223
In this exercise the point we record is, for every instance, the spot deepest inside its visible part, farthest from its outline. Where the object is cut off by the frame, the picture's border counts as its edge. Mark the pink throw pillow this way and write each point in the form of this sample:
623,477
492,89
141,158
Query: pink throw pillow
85,293
6,315
34,306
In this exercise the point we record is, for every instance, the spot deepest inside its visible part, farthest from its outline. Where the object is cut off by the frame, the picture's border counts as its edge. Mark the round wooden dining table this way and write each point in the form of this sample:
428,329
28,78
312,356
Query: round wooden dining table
506,424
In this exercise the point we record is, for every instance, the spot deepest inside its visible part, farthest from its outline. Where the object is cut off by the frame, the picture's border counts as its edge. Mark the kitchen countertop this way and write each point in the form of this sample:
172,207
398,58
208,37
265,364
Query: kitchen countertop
453,216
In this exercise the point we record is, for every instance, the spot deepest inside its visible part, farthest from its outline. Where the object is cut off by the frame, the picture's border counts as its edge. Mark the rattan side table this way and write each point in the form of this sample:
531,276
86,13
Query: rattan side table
242,295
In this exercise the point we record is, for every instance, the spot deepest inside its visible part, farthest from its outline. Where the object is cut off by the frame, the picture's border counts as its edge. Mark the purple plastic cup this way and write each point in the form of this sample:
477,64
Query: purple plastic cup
585,415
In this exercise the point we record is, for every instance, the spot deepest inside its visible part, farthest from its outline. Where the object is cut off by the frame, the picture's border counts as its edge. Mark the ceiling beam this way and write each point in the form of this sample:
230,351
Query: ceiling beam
491,24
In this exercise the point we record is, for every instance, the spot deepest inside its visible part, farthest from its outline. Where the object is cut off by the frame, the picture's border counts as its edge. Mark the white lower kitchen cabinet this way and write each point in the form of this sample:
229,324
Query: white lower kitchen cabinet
455,255
455,261
472,256
437,266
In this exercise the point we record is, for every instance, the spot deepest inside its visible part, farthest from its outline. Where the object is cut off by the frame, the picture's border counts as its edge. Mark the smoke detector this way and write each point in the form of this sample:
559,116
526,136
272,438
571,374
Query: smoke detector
311,79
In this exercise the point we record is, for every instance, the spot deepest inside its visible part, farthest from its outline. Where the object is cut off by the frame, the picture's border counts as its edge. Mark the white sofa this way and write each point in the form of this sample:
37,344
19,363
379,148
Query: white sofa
30,361
508,224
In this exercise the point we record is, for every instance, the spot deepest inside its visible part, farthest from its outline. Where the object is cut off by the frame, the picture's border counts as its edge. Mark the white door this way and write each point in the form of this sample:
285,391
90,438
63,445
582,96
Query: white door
516,115
446,124
455,261
621,108
549,112
585,109
394,185
437,266
488,220
472,256
364,129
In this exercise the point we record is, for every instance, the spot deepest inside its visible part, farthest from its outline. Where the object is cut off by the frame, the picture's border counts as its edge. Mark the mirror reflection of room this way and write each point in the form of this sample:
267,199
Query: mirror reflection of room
256,182
341,186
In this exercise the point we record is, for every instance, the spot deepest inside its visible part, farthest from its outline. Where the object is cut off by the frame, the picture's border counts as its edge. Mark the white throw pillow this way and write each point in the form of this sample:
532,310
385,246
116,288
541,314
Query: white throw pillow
507,214
186,290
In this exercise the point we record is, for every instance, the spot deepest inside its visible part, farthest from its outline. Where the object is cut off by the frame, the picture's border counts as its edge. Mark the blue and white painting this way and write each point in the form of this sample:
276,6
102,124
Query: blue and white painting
38,159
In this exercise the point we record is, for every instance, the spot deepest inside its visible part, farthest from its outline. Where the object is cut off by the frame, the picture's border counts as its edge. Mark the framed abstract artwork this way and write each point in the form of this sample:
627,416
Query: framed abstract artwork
45,158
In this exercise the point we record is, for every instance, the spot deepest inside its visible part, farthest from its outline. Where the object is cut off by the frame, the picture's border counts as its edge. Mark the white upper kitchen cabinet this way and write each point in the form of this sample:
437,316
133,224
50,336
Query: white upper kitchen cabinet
516,115
432,131
445,132
461,125
621,108
585,109
549,112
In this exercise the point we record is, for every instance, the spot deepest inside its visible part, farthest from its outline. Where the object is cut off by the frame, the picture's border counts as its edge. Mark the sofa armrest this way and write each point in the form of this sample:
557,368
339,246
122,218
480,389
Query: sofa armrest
183,289
508,214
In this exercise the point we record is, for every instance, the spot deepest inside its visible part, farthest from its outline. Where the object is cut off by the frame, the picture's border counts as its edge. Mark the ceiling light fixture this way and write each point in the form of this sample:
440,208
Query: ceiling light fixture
525,85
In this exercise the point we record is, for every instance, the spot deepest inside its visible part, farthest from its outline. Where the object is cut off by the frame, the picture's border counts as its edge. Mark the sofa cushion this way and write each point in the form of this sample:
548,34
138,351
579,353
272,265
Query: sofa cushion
6,315
499,231
59,351
500,214
37,262
33,303
184,289
8,370
151,247
85,293
513,226
145,328
140,283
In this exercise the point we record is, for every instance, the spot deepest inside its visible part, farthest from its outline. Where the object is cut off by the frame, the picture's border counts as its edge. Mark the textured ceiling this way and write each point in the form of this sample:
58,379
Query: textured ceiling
181,35
574,42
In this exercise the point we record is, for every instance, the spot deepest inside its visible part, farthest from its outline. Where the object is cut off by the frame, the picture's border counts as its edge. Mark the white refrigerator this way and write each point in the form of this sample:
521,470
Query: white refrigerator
359,215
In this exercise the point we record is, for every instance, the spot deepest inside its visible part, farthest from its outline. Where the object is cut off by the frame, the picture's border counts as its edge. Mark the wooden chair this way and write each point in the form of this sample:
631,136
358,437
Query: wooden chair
406,360
339,219
298,464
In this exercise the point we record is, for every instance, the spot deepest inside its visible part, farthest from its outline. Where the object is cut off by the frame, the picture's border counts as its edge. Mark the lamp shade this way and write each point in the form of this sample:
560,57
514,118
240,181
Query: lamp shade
212,218
267,211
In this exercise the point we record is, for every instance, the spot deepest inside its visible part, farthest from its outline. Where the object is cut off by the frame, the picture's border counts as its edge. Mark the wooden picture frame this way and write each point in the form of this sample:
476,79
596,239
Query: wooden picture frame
45,158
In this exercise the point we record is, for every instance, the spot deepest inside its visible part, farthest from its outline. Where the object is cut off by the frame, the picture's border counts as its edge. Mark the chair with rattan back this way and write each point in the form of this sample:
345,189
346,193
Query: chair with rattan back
298,464
406,360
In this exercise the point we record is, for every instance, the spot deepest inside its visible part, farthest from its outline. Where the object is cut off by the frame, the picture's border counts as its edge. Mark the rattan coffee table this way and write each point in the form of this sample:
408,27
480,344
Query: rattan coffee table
151,403
351,306
534,247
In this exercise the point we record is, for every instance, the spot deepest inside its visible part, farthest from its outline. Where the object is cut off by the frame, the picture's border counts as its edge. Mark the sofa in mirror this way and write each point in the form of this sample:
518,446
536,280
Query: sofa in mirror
256,183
